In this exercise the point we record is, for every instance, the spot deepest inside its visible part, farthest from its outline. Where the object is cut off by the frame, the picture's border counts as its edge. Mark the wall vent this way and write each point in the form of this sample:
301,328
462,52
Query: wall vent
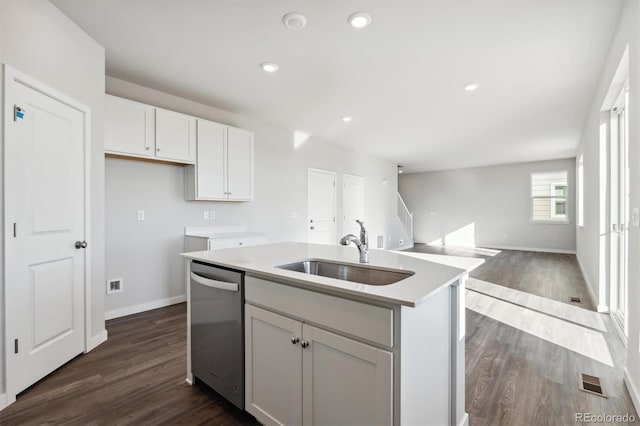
591,384
380,243
575,299
115,285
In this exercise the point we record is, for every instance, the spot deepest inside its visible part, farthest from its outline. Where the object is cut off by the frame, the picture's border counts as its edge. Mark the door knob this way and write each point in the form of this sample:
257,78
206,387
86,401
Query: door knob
312,228
295,340
304,343
81,244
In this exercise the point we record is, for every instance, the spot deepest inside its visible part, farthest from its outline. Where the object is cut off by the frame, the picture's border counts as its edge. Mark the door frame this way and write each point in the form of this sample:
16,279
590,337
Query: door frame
11,75
335,198
620,317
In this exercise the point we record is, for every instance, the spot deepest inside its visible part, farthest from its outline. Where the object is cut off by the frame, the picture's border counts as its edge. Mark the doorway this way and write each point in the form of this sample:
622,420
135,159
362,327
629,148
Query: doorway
321,193
352,203
619,210
46,200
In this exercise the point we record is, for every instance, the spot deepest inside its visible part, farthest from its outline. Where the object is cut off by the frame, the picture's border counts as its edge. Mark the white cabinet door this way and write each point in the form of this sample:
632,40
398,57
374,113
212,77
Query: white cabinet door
239,164
129,127
336,370
273,362
175,136
210,169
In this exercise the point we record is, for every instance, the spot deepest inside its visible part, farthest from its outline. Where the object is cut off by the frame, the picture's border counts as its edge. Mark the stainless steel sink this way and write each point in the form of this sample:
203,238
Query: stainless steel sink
348,272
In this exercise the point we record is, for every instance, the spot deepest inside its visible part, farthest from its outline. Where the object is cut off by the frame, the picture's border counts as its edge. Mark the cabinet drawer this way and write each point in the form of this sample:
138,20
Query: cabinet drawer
223,243
369,322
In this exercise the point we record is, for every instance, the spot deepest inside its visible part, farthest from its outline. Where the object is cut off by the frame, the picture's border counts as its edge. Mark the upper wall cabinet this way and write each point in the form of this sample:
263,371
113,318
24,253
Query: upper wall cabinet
129,128
175,136
224,166
137,130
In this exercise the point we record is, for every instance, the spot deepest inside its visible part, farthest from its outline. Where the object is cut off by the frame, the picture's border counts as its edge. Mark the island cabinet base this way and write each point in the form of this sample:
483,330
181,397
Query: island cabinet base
313,358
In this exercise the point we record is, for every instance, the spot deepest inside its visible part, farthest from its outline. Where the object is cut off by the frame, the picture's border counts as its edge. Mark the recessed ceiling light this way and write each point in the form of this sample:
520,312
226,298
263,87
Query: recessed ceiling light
359,20
269,67
294,21
346,119
471,87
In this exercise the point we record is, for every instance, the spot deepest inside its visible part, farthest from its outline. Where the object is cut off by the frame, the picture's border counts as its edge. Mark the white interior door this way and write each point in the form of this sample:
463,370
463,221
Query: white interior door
239,164
322,207
45,217
352,203
619,209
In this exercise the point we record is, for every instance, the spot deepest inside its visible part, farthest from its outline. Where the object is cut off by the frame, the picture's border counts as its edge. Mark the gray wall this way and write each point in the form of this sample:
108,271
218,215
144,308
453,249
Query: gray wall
487,205
38,40
592,237
145,254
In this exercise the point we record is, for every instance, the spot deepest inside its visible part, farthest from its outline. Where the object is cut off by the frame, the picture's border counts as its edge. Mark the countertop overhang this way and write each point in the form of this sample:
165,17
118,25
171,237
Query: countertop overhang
261,261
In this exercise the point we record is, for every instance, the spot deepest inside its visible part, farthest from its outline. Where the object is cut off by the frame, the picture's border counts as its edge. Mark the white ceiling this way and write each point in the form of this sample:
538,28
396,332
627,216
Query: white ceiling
401,79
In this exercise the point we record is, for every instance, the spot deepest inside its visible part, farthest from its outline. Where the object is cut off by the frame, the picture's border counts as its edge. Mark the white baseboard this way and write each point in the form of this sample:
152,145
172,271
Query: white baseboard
536,249
130,310
3,401
465,420
97,340
600,308
633,390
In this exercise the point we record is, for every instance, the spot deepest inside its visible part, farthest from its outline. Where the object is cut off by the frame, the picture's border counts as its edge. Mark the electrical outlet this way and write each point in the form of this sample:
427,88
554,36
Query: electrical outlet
205,215
115,285
140,215
212,215
401,241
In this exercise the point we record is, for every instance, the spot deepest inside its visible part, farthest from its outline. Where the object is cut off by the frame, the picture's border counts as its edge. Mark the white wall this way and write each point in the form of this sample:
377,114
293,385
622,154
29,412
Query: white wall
38,40
145,253
589,236
486,206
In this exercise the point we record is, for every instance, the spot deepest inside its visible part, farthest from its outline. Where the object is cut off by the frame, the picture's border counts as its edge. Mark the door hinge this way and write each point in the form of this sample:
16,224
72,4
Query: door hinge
15,345
15,230
334,218
334,183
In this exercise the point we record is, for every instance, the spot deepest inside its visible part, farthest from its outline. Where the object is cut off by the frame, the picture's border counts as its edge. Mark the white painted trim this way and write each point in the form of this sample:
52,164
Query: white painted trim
536,249
143,307
633,390
3,401
12,75
603,309
97,340
335,199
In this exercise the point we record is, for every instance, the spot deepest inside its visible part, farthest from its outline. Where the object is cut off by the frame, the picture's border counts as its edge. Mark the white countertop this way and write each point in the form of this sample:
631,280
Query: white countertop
260,261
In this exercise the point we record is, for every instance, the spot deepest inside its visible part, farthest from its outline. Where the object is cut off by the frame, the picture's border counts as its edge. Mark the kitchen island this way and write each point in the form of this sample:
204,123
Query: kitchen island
321,350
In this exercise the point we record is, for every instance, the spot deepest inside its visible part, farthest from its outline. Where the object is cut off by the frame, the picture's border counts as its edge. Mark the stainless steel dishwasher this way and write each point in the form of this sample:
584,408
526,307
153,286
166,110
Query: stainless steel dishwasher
217,330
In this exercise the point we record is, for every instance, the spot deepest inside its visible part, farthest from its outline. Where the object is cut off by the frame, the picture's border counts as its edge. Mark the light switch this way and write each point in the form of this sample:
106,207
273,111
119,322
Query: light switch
140,215
635,217
212,215
293,215
205,215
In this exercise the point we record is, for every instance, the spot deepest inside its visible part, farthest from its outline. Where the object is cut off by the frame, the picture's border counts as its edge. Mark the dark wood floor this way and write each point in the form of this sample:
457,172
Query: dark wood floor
517,378
137,377
513,377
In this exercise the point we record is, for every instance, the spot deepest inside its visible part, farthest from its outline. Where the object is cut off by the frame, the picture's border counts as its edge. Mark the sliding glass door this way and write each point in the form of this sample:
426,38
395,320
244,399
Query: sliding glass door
619,211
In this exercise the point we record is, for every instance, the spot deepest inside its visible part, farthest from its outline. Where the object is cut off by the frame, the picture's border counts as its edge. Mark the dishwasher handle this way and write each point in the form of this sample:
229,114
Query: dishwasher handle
221,285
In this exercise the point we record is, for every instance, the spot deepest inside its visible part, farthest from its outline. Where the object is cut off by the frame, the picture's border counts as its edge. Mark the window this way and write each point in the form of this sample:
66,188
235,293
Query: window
549,194
581,190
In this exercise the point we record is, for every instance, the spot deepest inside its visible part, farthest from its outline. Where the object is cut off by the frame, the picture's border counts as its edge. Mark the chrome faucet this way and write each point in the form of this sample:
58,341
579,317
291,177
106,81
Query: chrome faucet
362,243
